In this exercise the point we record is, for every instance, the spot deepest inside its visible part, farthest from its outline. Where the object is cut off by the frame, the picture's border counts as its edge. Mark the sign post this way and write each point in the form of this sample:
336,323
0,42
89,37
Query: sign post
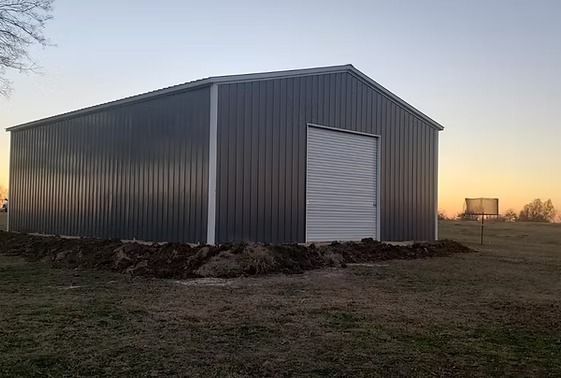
482,223
482,207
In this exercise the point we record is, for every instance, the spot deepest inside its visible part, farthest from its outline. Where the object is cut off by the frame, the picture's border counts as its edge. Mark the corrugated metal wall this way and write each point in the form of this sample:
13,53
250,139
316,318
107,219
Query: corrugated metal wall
137,171
262,148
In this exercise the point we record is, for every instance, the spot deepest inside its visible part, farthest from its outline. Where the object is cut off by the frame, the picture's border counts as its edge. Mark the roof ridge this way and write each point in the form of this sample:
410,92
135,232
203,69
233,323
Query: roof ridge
270,75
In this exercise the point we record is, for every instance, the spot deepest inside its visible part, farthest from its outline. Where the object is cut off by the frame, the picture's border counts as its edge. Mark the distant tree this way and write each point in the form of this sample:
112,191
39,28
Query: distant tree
465,217
538,211
21,25
442,215
510,216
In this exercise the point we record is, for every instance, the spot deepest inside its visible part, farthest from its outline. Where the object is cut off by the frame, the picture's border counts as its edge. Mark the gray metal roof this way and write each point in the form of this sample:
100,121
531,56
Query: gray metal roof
234,79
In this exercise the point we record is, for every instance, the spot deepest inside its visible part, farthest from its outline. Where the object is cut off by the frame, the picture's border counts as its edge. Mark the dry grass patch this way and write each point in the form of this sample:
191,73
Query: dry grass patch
495,312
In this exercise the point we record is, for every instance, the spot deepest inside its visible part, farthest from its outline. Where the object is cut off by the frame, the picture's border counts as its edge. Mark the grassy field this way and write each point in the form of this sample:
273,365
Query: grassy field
494,312
3,220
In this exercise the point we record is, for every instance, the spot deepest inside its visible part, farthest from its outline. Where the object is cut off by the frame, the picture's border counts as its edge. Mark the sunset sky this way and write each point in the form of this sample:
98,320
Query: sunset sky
489,71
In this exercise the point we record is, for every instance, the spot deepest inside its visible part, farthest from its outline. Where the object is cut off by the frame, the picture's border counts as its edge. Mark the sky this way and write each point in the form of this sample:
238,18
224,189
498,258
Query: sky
489,71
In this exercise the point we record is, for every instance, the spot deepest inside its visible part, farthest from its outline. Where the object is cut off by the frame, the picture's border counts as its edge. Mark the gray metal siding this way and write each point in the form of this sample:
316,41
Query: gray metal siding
135,171
262,148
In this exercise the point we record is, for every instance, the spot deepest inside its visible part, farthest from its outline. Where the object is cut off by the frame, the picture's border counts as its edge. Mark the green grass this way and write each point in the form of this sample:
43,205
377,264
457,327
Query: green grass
495,312
3,221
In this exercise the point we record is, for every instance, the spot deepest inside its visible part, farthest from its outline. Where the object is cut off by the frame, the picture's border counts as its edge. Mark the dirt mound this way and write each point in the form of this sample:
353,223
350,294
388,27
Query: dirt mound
368,250
180,261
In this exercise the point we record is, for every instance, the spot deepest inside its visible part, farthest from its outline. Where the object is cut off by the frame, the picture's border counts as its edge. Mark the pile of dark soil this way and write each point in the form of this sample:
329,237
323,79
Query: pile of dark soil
179,261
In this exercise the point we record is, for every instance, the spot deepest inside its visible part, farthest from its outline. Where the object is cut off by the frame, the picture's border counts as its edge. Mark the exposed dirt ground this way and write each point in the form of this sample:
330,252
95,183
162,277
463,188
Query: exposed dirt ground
495,312
230,260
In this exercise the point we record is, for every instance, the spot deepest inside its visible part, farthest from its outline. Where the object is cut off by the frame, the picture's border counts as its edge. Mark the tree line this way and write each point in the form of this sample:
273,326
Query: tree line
535,211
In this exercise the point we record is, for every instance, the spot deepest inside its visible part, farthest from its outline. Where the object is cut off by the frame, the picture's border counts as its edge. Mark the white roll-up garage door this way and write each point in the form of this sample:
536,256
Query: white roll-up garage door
341,185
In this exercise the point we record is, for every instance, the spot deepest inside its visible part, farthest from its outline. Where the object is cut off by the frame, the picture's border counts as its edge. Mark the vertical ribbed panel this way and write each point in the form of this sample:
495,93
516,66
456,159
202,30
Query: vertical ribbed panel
262,148
141,170
136,171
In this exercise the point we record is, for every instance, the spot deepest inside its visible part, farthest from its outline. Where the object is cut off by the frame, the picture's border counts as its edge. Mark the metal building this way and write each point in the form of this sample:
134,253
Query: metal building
292,156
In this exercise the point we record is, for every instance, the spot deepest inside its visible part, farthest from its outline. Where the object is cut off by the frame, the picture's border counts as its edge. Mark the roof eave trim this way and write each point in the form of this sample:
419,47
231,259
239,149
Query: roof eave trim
230,79
397,99
132,99
184,87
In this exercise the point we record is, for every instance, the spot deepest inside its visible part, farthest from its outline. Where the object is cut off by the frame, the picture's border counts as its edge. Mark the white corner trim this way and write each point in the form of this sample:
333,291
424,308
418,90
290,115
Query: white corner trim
8,213
10,182
436,191
212,153
378,187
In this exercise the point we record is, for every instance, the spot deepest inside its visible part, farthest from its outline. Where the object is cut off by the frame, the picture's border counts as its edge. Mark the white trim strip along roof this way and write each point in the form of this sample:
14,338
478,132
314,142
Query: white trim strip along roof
235,79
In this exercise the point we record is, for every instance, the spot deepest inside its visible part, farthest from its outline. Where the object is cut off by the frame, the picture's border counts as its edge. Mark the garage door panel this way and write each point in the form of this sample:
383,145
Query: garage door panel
358,152
332,174
341,187
358,189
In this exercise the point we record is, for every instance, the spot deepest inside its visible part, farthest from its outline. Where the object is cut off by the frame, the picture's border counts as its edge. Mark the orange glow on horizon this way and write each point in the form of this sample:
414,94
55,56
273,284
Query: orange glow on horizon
513,190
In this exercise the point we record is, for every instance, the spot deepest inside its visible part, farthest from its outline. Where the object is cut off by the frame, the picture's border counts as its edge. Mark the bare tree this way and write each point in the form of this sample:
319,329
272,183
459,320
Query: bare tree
21,25
538,211
442,215
510,216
